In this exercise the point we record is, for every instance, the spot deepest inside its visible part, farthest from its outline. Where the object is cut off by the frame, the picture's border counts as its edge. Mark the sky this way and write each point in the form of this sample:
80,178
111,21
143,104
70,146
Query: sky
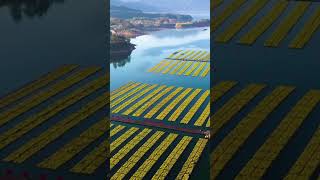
168,5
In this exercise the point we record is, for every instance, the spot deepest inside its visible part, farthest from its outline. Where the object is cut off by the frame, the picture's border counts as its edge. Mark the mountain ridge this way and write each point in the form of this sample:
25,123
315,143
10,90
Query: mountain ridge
165,5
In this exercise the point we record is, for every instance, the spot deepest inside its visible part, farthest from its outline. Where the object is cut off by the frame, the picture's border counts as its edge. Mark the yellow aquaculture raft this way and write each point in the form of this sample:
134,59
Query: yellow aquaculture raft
185,62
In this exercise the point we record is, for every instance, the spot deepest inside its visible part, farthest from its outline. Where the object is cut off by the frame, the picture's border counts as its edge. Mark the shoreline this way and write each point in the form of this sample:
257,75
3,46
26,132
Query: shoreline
162,29
125,52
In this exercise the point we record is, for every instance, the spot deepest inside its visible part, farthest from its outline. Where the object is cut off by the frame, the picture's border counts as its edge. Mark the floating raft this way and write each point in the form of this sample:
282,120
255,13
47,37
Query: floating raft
167,103
251,128
138,153
68,102
185,62
277,21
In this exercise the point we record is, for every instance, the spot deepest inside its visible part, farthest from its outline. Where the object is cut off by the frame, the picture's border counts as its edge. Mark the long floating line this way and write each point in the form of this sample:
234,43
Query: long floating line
170,67
175,53
240,22
128,147
264,23
215,4
93,160
167,165
197,72
154,157
33,86
193,67
157,66
152,101
226,13
182,63
44,95
206,71
116,130
157,107
174,116
195,55
122,138
137,96
266,154
123,90
168,109
186,119
142,101
151,123
200,55
72,148
204,116
308,161
228,147
234,105
220,89
163,66
305,34
193,158
188,64
187,55
125,96
132,161
35,120
287,24
36,144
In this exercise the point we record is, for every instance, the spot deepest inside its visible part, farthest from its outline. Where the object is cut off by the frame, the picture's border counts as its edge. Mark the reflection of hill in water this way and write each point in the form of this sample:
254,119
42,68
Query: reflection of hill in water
182,33
120,61
28,8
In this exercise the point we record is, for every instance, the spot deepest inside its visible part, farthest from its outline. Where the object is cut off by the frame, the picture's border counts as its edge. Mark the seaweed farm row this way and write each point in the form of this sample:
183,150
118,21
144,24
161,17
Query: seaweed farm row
251,19
186,68
190,55
184,62
68,103
166,103
147,153
262,132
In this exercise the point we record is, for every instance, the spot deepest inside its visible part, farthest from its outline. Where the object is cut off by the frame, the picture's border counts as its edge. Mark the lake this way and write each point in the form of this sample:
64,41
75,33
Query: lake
38,37
151,49
46,35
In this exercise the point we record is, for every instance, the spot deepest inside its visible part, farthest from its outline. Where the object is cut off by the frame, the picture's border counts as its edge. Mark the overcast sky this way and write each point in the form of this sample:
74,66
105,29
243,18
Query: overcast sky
180,5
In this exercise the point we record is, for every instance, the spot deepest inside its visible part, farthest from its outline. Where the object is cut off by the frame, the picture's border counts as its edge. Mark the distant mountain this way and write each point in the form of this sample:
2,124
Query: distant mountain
165,5
135,5
127,13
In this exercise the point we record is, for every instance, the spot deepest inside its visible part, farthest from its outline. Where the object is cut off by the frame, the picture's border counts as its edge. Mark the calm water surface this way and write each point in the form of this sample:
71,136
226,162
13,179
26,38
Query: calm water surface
39,36
272,66
151,49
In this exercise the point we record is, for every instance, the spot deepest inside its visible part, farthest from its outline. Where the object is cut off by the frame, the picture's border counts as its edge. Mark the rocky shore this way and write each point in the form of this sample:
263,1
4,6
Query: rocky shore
134,27
120,47
127,23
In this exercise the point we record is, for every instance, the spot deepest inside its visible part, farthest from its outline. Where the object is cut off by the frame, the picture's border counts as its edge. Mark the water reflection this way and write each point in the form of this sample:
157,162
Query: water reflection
176,38
120,62
28,8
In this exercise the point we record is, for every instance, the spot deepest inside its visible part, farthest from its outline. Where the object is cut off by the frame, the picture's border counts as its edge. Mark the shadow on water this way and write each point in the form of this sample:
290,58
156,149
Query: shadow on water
28,8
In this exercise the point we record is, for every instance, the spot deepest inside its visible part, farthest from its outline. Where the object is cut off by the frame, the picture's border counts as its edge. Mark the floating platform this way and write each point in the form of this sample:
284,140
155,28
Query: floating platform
257,140
65,103
169,104
277,21
146,152
184,62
